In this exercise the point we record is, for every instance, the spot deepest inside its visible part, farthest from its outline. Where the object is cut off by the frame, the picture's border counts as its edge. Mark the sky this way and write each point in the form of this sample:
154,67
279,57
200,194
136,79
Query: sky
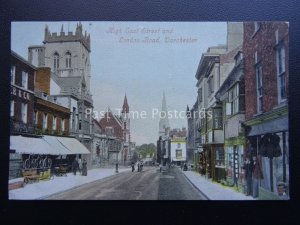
140,59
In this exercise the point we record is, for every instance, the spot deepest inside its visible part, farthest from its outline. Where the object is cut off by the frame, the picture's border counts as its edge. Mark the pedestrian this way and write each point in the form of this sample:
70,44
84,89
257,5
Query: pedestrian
138,166
248,167
132,167
141,166
84,168
79,165
74,166
160,167
257,175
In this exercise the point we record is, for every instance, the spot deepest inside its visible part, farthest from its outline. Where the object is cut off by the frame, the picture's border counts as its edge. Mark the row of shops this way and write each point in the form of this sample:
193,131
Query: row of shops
246,114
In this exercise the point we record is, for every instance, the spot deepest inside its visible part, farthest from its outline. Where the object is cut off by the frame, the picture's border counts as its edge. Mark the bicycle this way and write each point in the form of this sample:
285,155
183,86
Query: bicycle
28,162
47,162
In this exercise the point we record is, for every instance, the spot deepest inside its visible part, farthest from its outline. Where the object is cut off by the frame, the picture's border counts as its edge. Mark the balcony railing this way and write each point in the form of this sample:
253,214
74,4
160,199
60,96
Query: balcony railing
20,127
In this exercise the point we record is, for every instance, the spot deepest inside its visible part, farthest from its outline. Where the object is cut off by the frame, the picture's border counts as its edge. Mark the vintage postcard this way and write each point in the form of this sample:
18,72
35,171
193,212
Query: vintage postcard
149,111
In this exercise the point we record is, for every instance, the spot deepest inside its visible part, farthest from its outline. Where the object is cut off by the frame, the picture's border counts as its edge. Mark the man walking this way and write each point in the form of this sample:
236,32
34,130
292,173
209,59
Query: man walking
74,166
132,167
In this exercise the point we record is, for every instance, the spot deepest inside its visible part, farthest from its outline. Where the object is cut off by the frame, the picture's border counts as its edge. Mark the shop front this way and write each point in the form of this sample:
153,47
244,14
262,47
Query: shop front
40,153
234,158
272,150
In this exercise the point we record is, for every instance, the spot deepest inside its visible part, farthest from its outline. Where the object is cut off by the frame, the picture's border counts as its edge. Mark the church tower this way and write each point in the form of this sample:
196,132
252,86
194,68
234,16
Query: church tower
67,54
164,125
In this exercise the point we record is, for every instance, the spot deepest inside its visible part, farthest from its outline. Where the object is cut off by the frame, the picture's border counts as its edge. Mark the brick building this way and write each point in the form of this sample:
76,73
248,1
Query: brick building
22,95
266,97
21,106
49,116
118,128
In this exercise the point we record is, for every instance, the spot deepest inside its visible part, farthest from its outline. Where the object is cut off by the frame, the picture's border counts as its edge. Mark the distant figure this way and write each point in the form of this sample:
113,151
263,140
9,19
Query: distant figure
74,166
141,166
160,167
132,167
185,168
84,168
79,165
138,166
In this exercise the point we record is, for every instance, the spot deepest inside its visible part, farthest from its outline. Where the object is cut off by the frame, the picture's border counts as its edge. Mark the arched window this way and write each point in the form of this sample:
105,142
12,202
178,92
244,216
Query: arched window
68,60
56,60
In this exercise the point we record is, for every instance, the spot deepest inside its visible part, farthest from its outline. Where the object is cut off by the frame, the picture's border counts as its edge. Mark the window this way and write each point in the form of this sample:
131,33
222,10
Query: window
45,118
281,73
200,94
68,60
12,108
210,83
24,80
233,99
56,60
217,120
13,74
178,145
220,157
256,26
24,112
35,118
54,123
178,154
259,87
63,125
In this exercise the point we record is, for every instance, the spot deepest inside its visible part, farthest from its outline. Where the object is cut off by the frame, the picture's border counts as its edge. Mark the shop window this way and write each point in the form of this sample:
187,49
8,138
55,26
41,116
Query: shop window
220,157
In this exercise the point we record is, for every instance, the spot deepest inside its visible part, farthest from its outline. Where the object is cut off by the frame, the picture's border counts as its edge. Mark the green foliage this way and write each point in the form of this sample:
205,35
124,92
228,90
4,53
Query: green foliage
146,149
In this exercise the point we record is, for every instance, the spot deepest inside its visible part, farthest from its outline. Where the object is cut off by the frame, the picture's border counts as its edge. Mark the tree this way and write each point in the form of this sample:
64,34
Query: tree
146,149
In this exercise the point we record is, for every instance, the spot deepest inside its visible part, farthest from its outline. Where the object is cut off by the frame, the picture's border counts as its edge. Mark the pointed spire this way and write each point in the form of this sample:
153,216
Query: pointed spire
164,104
164,120
62,28
125,108
187,108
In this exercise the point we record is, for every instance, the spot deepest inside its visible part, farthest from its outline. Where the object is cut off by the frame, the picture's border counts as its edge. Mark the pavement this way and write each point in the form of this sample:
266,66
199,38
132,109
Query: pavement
44,189
214,191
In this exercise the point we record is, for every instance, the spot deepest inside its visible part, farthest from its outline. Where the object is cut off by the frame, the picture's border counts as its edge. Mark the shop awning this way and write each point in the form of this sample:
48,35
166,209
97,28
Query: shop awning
55,144
273,126
47,145
30,145
75,146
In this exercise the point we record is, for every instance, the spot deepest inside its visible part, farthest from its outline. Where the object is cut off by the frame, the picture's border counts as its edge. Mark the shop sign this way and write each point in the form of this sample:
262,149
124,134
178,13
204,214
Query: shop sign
20,93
